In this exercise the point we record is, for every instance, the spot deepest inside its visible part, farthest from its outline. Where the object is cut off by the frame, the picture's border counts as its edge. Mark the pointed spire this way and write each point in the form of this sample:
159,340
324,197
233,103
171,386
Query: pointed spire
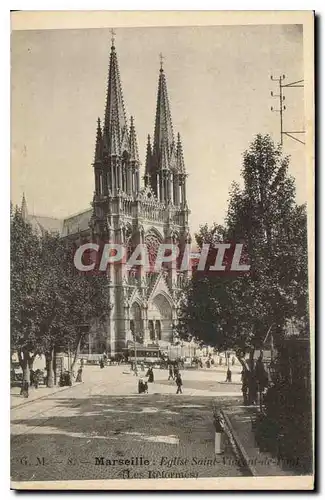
125,140
99,142
147,174
163,123
24,210
115,116
133,148
148,157
180,165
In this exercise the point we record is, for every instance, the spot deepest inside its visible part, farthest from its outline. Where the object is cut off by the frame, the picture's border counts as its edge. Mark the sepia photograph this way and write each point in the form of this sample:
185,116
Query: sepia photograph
162,250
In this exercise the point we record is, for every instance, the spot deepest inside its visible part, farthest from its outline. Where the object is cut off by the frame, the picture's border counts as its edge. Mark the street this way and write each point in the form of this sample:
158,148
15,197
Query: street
103,429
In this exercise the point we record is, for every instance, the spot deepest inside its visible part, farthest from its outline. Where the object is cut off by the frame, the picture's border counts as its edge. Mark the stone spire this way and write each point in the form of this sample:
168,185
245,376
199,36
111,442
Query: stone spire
99,142
147,174
133,145
163,135
24,210
180,165
115,124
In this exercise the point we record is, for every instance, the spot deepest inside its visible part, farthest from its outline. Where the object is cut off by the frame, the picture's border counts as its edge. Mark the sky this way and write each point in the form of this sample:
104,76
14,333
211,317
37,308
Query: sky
219,86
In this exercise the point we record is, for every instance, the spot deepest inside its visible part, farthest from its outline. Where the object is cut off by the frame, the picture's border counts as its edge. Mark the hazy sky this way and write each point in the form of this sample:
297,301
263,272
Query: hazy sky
219,87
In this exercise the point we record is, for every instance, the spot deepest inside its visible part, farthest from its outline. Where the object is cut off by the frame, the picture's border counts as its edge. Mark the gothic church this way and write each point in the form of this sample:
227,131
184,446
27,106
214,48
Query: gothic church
143,304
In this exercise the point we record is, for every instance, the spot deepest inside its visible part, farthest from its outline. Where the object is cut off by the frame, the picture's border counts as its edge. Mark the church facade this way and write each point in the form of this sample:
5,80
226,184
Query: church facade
129,208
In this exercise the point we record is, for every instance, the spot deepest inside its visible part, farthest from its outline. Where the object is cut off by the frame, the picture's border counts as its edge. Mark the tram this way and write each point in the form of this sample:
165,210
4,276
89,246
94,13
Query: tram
141,353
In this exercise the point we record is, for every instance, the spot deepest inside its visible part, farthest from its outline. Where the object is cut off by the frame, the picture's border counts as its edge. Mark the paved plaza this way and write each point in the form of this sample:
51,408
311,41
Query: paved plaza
103,429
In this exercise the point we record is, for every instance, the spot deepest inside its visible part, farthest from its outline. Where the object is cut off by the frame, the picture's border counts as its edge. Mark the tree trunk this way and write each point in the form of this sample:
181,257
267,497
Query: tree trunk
75,356
249,368
49,369
30,361
54,364
26,362
252,388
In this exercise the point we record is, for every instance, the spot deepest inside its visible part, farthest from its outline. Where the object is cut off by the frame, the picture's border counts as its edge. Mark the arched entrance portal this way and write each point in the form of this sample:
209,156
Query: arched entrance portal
160,319
136,324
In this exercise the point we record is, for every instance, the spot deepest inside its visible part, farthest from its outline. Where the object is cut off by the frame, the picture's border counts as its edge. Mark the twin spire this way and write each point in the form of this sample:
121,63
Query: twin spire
115,139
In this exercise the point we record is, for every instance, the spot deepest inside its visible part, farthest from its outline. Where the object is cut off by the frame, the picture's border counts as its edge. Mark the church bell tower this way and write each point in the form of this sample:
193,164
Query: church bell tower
143,303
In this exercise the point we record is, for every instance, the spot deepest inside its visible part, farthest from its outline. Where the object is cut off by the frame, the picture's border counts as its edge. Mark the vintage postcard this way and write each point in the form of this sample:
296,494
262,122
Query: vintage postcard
162,250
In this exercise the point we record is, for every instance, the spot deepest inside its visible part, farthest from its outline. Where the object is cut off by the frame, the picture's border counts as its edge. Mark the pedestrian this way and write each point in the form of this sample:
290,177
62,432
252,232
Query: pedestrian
228,378
37,377
79,375
179,384
150,375
65,379
142,387
101,363
170,370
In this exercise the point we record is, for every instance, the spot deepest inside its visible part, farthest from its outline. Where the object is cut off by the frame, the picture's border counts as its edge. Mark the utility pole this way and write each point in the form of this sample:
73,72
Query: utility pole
282,107
135,352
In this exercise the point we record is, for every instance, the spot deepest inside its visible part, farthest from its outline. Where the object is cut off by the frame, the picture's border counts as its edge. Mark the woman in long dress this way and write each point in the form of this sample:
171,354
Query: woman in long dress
79,375
150,375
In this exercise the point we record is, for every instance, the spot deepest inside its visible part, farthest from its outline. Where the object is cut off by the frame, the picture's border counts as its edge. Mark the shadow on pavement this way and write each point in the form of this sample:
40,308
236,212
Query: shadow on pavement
172,433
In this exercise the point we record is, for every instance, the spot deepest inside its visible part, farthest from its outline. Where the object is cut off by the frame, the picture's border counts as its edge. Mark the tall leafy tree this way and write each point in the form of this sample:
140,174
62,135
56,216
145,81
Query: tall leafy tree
53,305
69,301
238,311
25,279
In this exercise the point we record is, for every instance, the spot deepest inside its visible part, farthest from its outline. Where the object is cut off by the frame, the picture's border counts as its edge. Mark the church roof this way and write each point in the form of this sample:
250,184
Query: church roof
43,224
64,227
77,222
39,223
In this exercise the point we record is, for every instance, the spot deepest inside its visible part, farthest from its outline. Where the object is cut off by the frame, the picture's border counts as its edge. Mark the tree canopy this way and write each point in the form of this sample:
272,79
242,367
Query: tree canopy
236,311
52,304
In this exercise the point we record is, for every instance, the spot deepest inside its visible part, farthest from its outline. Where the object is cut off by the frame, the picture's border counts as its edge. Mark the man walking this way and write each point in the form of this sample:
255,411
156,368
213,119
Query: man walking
170,371
179,383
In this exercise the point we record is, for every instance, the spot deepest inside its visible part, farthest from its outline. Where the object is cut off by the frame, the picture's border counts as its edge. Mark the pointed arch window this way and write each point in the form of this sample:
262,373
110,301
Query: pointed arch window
152,242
